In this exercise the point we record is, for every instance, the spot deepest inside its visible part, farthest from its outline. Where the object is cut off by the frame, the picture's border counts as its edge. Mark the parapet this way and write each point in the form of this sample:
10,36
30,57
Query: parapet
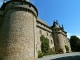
20,5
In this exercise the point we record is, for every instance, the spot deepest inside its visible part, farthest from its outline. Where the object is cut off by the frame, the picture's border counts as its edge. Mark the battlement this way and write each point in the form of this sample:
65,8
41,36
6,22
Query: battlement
20,5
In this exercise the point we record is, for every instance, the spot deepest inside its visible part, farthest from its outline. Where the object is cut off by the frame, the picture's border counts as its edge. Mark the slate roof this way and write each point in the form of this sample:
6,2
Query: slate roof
43,22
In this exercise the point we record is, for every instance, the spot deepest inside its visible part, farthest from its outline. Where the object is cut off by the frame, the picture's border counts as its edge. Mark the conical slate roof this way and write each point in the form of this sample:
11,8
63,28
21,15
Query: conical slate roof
55,25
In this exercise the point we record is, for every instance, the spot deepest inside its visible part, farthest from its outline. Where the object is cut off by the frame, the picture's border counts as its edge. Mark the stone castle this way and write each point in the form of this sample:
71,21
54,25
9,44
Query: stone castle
20,31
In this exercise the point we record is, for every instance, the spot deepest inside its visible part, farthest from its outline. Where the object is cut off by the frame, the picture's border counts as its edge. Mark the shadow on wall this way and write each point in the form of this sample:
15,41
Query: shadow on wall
68,58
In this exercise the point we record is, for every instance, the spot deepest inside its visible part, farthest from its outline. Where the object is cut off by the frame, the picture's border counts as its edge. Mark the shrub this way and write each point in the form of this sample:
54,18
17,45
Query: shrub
50,52
60,50
44,45
40,54
67,48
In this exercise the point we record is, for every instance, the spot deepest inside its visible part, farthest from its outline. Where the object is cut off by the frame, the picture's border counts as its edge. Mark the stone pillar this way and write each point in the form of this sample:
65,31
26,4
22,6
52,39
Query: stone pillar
17,38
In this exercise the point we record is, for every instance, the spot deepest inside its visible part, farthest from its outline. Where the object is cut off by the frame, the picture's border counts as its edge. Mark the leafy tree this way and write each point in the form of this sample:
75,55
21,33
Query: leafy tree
75,43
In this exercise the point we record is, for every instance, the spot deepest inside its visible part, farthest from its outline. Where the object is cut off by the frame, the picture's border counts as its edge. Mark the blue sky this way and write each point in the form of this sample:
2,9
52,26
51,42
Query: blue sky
67,12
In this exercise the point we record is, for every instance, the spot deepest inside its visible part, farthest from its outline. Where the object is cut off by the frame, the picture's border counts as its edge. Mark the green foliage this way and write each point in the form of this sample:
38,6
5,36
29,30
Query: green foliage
67,48
42,38
60,50
50,52
40,54
75,43
44,44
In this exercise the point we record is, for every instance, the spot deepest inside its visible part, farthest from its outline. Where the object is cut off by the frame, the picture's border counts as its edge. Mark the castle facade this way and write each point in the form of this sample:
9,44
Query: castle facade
21,29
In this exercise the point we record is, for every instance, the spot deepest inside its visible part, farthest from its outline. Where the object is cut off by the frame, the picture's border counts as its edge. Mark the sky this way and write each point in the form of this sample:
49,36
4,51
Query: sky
67,12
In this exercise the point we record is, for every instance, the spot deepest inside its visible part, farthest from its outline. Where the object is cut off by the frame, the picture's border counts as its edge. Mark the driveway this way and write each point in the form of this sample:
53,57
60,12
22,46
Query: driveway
67,56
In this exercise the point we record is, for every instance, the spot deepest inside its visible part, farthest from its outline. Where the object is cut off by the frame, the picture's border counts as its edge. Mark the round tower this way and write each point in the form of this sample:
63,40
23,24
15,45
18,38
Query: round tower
58,36
17,34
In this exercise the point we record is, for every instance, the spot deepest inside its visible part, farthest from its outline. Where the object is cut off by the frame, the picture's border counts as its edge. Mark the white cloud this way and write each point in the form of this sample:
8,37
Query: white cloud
68,35
78,36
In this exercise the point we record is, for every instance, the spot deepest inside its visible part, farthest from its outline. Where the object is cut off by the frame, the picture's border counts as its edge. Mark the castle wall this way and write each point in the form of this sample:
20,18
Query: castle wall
47,32
17,35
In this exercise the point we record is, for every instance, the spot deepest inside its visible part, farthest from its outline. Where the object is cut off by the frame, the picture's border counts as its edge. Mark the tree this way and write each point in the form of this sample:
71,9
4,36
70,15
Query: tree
75,43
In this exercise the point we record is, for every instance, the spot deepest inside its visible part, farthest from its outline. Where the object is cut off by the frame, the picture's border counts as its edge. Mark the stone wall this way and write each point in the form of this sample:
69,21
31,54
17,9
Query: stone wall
42,29
59,40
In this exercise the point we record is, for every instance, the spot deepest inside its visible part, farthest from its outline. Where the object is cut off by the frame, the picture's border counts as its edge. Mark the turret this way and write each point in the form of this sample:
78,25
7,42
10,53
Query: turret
58,37
55,24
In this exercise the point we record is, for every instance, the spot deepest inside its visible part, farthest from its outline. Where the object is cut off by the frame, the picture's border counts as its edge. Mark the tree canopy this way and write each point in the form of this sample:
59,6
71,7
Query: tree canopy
75,43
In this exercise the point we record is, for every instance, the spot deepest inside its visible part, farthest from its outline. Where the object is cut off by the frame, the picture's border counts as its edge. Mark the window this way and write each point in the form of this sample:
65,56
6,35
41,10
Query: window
30,6
21,3
47,34
51,41
50,35
40,32
12,3
55,30
58,29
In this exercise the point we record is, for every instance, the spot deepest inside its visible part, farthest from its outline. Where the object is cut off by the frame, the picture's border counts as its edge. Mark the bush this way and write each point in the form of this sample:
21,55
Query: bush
45,48
40,54
60,50
50,52
44,45
67,48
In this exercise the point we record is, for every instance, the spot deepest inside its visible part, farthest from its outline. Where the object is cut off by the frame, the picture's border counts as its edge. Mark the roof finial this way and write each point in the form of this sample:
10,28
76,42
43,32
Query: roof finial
57,22
62,27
